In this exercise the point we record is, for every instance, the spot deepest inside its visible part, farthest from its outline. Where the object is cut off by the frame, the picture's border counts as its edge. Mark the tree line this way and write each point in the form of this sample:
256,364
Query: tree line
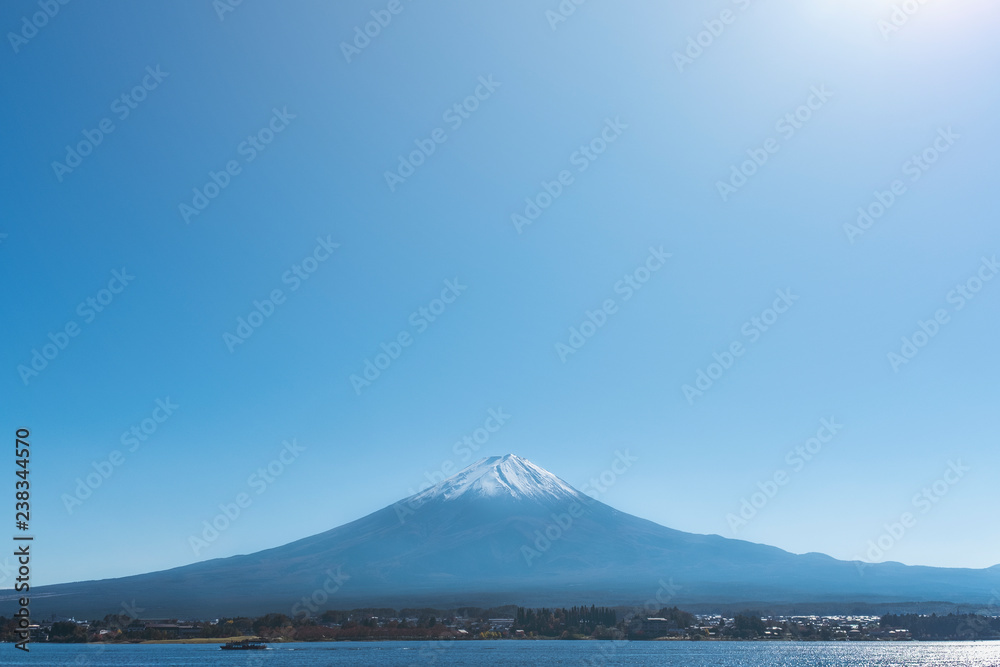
524,622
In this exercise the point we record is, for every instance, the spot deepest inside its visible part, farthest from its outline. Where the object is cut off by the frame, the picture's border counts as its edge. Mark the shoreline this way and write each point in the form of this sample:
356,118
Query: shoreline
216,640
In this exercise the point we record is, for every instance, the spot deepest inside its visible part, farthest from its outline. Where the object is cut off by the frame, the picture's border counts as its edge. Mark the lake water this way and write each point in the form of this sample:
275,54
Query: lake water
520,653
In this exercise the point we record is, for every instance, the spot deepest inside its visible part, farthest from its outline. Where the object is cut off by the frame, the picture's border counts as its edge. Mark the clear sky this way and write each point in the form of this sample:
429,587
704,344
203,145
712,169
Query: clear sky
631,137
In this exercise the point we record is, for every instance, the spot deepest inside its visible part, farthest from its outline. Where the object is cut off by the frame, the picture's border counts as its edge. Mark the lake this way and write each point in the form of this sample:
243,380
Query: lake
520,653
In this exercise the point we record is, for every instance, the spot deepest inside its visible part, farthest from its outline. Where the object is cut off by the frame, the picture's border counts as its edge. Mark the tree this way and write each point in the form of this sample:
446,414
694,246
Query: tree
747,626
66,631
681,619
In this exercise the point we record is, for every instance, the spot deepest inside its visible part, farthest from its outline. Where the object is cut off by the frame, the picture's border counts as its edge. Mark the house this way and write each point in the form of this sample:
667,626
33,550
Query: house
170,628
657,627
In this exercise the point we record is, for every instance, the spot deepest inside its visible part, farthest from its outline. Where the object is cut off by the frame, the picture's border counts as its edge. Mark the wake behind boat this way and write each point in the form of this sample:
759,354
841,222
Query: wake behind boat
244,645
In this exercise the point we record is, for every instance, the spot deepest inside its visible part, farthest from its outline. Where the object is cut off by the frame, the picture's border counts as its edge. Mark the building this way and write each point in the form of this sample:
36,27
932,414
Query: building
657,627
170,628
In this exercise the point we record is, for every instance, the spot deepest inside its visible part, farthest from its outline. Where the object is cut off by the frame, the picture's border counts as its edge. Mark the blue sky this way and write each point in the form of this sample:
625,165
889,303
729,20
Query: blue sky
551,97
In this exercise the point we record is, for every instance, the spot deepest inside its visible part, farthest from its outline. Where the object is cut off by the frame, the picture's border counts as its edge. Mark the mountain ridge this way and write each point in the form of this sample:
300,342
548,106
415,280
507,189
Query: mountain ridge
501,531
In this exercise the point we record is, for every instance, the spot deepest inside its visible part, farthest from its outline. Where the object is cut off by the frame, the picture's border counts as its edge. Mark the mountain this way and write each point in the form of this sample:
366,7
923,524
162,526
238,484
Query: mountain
505,531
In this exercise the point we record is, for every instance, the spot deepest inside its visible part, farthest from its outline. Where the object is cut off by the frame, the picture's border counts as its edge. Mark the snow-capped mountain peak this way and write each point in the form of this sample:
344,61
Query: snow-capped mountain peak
509,475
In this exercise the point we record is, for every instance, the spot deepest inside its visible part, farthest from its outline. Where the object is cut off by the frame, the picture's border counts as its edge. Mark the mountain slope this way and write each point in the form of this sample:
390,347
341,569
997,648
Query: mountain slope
501,531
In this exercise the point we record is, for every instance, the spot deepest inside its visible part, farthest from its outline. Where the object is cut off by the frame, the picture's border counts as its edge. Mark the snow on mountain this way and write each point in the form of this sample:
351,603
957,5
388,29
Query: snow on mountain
501,476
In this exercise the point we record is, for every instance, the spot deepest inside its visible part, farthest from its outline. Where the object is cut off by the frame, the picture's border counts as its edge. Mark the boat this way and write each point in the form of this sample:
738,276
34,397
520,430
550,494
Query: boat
244,645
